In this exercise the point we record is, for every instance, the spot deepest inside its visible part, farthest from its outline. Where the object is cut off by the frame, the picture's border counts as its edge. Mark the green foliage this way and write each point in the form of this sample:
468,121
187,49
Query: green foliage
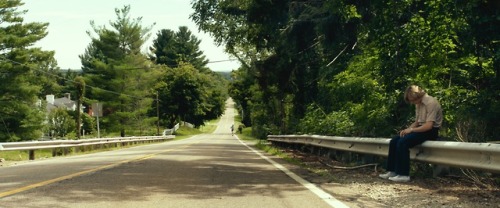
239,90
60,123
80,92
339,67
22,74
113,61
334,123
173,48
120,77
188,91
188,95
185,132
88,123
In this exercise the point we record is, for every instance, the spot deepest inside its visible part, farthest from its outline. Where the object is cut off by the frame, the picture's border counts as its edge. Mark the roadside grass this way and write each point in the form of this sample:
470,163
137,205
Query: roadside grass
209,126
267,146
48,153
182,133
283,154
185,132
264,145
24,155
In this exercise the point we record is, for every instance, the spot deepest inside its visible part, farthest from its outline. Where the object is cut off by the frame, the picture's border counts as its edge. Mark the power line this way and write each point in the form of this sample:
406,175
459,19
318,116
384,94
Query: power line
71,81
171,66
95,87
211,62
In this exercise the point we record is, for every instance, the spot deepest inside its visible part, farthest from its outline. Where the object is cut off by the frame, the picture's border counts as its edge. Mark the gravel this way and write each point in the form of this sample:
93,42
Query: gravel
361,187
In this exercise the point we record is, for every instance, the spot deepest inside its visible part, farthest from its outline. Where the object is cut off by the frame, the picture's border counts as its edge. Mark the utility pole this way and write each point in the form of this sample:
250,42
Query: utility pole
97,111
157,115
98,129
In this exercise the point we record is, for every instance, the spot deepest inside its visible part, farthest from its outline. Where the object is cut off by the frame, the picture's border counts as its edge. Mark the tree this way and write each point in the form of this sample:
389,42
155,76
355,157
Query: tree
123,75
80,92
192,96
351,60
239,90
172,48
185,94
60,123
181,96
20,116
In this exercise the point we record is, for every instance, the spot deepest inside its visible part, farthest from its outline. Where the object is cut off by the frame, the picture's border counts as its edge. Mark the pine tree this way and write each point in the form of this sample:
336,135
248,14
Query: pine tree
173,48
120,73
21,64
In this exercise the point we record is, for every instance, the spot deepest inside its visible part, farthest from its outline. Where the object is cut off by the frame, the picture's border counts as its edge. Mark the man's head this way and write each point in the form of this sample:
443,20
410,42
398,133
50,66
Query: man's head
414,94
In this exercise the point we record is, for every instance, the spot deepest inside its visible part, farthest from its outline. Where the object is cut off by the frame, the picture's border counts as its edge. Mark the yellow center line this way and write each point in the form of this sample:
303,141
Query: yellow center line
47,182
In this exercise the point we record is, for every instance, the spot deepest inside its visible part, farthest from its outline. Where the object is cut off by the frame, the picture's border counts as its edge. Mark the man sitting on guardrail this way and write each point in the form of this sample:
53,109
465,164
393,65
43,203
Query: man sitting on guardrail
429,117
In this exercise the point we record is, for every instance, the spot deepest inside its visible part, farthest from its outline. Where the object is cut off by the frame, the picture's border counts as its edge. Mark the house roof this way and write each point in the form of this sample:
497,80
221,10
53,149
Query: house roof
63,102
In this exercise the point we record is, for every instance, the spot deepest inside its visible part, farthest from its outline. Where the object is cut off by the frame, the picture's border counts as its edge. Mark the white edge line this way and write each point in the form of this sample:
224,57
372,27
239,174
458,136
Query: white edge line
332,201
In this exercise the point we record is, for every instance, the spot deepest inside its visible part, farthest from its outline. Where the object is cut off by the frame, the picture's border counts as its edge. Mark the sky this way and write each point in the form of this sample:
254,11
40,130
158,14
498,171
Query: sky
70,19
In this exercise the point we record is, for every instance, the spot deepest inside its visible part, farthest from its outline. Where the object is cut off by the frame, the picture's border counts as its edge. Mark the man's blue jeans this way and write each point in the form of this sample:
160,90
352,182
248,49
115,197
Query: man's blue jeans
399,150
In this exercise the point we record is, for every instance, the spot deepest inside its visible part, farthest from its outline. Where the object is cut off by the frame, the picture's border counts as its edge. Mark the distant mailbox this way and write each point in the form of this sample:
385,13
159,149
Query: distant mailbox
97,109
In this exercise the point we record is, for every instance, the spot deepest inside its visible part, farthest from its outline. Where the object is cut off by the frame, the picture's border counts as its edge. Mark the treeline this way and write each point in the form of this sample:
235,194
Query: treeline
339,67
141,93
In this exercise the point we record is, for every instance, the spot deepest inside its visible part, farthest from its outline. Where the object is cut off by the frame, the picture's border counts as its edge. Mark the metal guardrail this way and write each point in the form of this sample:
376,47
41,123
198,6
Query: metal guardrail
31,146
482,156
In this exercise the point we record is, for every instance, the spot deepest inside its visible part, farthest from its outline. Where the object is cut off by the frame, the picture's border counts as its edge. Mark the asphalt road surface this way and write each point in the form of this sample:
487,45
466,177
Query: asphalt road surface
209,170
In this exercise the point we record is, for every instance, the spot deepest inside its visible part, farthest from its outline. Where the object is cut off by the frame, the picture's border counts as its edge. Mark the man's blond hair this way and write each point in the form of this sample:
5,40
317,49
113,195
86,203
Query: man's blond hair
413,92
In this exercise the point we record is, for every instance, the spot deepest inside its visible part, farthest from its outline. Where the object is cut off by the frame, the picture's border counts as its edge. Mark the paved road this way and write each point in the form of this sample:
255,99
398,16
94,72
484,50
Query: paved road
210,170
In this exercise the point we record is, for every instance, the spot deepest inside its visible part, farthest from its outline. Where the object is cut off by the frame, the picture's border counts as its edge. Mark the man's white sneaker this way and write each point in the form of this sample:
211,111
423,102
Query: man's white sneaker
400,178
387,175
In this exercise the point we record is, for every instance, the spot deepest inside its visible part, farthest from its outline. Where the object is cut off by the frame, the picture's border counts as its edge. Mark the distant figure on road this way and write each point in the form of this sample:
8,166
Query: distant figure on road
232,129
429,117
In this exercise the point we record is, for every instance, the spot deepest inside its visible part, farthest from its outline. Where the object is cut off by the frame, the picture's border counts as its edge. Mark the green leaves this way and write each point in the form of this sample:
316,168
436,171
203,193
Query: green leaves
60,123
188,95
22,74
172,48
113,62
353,59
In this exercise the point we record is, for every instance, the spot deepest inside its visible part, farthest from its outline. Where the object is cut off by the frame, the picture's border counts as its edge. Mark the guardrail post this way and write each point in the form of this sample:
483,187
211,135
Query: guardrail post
367,158
31,154
330,154
440,170
308,148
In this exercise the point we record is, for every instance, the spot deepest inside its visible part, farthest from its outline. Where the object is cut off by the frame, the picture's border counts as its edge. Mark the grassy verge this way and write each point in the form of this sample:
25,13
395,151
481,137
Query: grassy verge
209,126
185,132
287,156
24,155
182,133
47,153
266,146
263,145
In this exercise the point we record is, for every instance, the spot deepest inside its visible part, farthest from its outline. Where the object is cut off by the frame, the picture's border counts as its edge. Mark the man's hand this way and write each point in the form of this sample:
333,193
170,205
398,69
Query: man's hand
404,132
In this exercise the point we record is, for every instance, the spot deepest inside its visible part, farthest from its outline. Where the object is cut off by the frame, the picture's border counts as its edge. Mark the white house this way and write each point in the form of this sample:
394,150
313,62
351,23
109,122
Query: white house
64,102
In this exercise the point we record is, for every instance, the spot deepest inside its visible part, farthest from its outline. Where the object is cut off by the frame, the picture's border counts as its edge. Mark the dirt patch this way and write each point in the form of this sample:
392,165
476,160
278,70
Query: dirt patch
361,187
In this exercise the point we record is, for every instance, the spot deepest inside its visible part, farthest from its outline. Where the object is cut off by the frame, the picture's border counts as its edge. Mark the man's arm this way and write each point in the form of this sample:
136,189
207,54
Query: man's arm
426,127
